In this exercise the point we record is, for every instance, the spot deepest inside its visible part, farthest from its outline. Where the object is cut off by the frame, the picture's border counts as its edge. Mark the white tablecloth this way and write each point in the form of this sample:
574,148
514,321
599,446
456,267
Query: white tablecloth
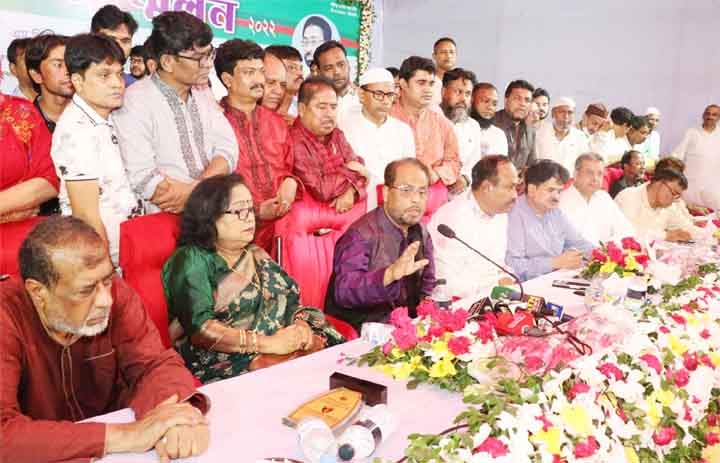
246,411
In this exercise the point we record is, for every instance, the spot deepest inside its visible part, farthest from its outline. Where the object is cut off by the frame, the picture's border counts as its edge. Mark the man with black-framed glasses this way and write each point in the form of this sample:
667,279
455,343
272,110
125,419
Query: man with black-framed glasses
648,207
374,135
172,135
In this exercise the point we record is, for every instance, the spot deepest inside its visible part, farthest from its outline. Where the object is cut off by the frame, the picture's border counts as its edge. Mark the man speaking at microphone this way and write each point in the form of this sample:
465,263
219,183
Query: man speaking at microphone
479,217
385,259
540,238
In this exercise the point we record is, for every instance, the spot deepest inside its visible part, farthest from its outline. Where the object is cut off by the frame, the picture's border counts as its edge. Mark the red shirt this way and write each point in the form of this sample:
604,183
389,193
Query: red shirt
45,386
25,143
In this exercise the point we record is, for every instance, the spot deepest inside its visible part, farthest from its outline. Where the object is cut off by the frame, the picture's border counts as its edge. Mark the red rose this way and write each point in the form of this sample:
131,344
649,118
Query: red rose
616,254
486,330
652,362
495,447
630,244
584,449
690,361
679,319
664,436
712,438
578,388
533,362
611,371
681,377
599,256
459,345
664,329
705,334
642,259
713,420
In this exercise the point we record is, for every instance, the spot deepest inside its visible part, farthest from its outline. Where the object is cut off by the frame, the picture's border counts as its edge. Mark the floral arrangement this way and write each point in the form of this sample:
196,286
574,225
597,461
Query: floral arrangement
442,347
654,397
624,260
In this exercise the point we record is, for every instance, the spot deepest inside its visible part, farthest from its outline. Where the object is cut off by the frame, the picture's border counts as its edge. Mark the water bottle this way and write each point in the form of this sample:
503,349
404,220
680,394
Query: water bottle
440,295
316,440
364,436
636,293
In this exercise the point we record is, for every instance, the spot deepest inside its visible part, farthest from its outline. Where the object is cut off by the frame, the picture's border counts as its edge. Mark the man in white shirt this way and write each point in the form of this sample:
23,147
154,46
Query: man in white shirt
589,208
445,57
331,61
484,106
700,149
648,207
610,141
172,136
85,147
456,94
650,148
479,217
560,140
373,134
594,118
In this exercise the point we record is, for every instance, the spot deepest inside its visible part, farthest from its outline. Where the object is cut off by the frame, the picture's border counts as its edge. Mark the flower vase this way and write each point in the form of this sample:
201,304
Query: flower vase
605,288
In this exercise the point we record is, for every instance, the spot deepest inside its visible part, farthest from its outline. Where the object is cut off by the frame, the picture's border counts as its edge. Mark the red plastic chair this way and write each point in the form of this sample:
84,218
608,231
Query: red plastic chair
12,234
308,235
145,244
437,196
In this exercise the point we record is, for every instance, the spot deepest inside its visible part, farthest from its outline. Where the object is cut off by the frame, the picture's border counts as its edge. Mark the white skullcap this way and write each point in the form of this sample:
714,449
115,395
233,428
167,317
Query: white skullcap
563,101
376,76
652,110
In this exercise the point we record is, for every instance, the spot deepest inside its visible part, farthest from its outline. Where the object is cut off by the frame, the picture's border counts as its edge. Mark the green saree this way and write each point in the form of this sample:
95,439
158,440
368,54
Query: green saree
199,286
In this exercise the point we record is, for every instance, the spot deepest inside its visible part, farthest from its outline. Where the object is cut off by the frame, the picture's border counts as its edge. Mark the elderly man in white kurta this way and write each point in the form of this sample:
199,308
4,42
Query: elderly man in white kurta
561,141
700,149
478,217
170,136
589,208
374,135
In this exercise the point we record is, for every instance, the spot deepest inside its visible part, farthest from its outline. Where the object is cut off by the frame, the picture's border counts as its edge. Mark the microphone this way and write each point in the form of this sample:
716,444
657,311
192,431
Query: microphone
448,232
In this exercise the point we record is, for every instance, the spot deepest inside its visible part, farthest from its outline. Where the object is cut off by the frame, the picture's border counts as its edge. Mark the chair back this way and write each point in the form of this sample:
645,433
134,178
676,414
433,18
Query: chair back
12,235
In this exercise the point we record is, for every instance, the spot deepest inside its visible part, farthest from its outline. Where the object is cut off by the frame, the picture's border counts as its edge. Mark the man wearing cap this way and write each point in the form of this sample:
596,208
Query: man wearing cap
650,148
560,141
595,116
373,134
611,140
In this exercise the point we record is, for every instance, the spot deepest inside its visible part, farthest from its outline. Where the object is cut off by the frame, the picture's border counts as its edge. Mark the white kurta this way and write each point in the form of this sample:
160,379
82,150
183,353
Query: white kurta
468,136
700,150
377,145
650,148
610,147
599,219
650,223
565,151
466,273
493,141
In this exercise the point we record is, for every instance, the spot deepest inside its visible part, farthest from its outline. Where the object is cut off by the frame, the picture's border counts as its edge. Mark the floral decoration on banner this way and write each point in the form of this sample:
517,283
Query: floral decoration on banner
625,260
652,397
367,18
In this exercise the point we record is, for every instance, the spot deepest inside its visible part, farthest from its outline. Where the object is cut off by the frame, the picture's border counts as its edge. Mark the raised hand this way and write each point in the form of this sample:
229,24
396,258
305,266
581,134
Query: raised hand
404,265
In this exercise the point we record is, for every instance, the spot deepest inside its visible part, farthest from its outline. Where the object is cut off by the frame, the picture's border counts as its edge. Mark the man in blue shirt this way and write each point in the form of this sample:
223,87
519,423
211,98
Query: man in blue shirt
540,237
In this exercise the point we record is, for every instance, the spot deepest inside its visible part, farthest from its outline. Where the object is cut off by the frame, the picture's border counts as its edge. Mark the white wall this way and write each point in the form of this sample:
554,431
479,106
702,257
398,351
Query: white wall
635,53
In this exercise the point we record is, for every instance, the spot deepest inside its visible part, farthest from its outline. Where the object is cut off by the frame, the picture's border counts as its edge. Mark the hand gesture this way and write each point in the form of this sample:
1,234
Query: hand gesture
183,442
355,166
568,260
345,201
404,265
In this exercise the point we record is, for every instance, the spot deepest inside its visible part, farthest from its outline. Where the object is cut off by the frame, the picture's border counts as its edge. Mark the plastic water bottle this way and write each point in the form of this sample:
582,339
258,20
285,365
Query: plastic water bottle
364,436
440,295
317,441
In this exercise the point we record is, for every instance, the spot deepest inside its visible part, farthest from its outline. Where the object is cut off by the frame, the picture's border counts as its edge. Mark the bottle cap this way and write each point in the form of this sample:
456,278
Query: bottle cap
346,452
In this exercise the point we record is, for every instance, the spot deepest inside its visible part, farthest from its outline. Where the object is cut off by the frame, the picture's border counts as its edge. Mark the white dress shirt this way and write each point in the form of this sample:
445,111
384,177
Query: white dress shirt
700,150
493,141
85,147
466,273
650,223
468,135
377,145
163,136
599,219
610,147
565,151
348,103
650,148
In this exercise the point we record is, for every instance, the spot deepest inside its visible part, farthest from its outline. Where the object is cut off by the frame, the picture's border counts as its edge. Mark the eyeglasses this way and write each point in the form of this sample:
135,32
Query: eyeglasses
241,214
675,194
409,190
379,95
207,58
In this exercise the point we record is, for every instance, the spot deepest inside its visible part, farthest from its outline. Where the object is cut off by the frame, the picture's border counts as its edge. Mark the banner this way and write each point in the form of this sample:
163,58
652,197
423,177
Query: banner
303,24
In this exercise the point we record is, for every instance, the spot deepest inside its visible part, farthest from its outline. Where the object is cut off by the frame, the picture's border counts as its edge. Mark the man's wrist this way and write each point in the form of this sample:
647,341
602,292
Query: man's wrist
119,438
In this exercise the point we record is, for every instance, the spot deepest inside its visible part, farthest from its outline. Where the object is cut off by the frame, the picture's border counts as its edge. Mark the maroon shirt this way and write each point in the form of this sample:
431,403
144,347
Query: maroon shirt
45,386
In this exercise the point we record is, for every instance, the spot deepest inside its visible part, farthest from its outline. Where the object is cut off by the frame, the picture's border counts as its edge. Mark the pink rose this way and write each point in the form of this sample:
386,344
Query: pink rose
578,388
598,255
587,448
616,254
690,361
705,334
707,361
611,371
664,329
427,308
713,420
712,438
405,336
652,362
436,331
664,435
495,447
681,377
533,362
679,319
629,243
486,330
399,317
459,345
547,424
642,259
387,347
453,320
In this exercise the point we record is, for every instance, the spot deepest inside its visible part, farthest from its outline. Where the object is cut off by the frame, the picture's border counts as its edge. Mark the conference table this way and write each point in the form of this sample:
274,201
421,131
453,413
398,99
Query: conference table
247,411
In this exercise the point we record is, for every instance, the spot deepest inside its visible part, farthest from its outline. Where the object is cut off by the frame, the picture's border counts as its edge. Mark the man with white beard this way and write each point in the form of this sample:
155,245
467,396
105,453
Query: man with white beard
456,100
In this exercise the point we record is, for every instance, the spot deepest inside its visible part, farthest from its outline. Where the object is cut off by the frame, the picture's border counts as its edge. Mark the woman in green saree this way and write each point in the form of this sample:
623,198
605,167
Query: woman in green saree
228,300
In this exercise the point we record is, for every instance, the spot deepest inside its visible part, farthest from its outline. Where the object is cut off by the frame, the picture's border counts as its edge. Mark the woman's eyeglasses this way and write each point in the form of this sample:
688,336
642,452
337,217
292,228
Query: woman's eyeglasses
241,214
